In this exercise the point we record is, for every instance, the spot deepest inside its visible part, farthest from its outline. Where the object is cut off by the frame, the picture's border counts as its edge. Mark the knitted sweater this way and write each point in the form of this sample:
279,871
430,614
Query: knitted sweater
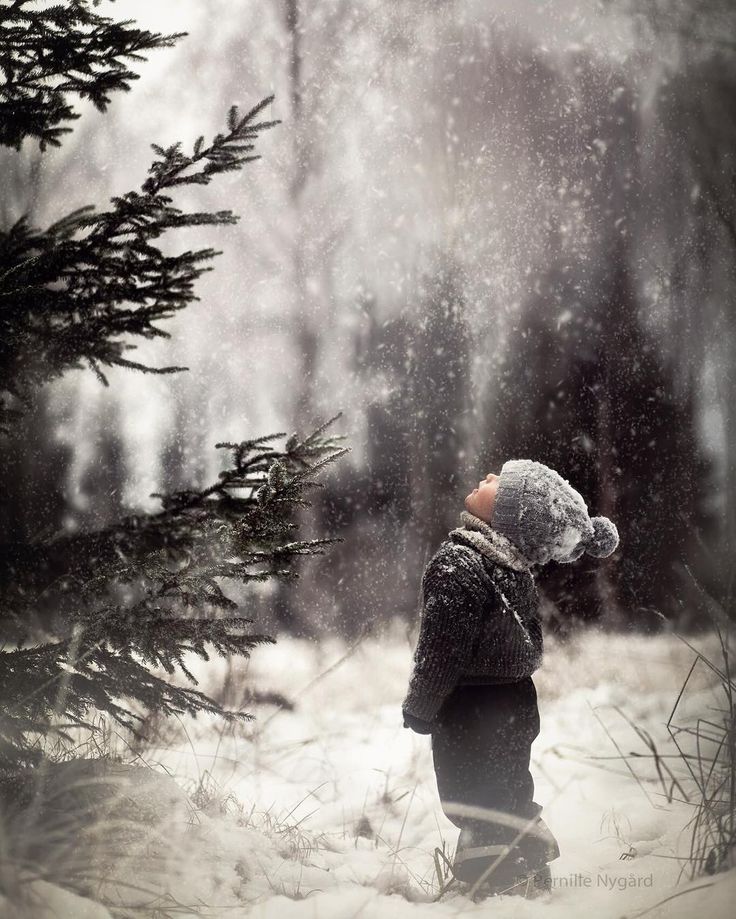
480,621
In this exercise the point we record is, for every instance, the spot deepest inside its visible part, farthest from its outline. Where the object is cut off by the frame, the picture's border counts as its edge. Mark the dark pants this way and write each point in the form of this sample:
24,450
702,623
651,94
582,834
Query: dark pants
481,747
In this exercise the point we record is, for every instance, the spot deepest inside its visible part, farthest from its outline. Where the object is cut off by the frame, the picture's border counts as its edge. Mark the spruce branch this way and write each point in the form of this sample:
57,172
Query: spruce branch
149,592
51,53
76,293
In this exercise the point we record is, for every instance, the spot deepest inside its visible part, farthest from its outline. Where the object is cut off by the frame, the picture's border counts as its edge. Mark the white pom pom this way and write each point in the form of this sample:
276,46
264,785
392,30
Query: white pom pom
604,540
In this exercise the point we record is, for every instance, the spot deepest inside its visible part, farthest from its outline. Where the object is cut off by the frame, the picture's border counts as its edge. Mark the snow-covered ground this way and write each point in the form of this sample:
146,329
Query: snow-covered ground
331,810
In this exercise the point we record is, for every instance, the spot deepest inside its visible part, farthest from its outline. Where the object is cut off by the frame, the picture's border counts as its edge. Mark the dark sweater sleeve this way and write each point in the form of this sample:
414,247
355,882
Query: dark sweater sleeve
448,625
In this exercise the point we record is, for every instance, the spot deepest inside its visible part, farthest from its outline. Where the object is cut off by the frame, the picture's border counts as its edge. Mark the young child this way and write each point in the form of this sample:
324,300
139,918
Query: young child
480,640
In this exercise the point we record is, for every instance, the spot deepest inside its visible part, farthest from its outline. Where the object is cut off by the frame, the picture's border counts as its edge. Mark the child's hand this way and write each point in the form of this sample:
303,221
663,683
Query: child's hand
416,724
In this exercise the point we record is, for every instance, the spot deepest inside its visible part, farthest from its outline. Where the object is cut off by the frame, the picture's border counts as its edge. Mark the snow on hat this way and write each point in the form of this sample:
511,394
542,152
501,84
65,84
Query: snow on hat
543,515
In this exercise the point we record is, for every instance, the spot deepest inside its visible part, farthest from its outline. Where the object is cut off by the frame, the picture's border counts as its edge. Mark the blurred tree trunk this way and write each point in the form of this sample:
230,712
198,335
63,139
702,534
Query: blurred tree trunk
607,494
302,315
33,476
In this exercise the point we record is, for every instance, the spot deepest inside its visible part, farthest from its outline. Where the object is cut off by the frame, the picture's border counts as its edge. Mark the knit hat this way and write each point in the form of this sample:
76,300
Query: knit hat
543,515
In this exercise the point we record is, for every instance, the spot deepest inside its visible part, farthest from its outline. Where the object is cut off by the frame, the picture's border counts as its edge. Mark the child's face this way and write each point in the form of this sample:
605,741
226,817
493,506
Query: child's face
481,499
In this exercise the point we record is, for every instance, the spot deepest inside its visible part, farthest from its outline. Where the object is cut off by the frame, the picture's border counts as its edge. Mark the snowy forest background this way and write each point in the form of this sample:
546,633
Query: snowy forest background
479,235
479,231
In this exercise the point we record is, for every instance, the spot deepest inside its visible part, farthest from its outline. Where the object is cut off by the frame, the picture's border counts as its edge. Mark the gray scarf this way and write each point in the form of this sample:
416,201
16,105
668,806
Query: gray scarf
493,545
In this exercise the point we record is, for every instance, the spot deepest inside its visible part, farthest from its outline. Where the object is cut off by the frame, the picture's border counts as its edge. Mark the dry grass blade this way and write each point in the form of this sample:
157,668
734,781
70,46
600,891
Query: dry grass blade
664,772
624,758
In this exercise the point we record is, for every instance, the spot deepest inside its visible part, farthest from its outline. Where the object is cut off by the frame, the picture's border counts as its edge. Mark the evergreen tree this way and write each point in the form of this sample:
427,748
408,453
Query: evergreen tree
439,392
380,360
413,370
86,618
416,369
